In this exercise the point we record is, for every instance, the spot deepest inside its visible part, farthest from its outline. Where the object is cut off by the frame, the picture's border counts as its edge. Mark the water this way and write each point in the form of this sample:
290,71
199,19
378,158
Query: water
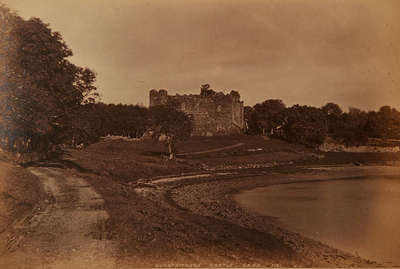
360,216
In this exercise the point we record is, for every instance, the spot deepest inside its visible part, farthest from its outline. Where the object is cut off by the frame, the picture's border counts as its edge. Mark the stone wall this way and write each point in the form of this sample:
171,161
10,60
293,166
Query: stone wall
331,147
373,145
215,114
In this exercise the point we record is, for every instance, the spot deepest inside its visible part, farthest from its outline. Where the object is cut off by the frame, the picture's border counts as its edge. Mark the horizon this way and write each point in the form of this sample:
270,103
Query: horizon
301,52
344,109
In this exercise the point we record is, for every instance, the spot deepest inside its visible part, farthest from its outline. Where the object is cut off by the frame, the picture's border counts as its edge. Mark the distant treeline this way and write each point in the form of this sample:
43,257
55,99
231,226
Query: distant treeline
96,120
305,125
310,126
99,119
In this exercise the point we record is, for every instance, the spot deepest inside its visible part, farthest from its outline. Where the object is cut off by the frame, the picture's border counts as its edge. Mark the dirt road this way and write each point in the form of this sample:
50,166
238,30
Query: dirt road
66,231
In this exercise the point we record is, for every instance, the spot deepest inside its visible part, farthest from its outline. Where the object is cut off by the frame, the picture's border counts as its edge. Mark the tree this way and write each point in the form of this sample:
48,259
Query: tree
251,125
333,113
172,123
332,109
40,88
350,127
304,125
206,91
266,116
385,123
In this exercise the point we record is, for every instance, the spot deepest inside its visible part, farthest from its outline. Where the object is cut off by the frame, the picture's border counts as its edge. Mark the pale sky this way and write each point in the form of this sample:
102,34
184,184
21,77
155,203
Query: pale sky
307,52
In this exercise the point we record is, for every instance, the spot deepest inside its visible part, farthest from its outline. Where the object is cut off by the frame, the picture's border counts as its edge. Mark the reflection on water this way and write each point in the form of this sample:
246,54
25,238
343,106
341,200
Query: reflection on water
360,216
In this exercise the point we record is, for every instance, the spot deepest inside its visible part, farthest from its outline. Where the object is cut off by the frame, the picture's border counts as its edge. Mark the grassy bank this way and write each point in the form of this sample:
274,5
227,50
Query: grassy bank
129,161
20,192
132,160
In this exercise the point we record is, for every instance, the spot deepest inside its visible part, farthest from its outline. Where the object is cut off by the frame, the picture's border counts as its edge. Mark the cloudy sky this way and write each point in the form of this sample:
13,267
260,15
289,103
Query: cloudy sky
301,51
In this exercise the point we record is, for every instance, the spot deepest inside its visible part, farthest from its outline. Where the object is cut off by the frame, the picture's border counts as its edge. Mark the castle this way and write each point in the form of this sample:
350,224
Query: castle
213,113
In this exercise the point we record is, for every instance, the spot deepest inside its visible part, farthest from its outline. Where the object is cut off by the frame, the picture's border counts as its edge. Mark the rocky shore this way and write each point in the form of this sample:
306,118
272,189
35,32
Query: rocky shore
215,199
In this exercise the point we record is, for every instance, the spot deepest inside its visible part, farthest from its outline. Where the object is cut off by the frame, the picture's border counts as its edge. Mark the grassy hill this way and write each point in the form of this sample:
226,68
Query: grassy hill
20,192
135,159
131,160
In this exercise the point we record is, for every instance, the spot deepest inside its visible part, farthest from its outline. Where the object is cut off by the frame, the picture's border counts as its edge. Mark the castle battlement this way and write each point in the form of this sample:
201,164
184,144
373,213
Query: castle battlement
213,113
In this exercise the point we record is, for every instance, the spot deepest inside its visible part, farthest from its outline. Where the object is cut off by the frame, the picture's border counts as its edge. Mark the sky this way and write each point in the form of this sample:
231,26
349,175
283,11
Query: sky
306,52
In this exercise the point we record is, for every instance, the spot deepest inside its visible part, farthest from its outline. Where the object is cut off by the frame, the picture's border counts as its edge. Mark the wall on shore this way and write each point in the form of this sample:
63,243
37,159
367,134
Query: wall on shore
332,147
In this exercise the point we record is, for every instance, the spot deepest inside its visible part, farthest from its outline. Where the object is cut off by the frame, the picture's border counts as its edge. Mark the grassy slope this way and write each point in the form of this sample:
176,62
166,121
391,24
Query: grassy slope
19,193
132,160
129,161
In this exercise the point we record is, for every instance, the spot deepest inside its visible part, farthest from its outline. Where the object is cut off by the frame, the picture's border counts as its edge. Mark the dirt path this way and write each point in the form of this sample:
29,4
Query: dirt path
210,150
66,232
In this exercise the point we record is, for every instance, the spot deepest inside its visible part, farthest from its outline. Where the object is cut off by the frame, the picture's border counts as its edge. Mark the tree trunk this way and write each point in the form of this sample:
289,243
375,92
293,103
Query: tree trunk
171,150
171,154
73,140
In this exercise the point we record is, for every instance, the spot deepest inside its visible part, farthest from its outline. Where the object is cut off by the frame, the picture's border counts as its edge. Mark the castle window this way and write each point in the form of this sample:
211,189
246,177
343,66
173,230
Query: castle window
219,108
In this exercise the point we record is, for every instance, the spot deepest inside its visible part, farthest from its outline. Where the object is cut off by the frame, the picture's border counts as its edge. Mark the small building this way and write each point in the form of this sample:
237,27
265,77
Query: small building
213,113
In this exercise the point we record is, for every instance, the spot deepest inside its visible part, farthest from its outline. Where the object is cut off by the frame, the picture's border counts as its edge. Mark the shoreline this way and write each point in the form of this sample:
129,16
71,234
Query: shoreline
216,199
190,217
191,220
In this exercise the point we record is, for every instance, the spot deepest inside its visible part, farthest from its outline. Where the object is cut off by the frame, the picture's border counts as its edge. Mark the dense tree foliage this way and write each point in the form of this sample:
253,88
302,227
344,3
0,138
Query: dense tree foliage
310,125
332,109
297,124
97,120
40,89
304,125
265,117
93,121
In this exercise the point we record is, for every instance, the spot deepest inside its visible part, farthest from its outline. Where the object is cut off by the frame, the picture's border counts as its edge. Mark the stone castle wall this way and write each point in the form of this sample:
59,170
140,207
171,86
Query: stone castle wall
214,114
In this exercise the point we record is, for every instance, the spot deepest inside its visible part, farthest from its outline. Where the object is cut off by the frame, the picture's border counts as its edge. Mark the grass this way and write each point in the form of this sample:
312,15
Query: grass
127,160
201,143
20,191
131,160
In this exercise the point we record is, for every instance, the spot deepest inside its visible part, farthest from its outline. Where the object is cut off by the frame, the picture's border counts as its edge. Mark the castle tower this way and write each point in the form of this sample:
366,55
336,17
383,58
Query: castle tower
158,97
